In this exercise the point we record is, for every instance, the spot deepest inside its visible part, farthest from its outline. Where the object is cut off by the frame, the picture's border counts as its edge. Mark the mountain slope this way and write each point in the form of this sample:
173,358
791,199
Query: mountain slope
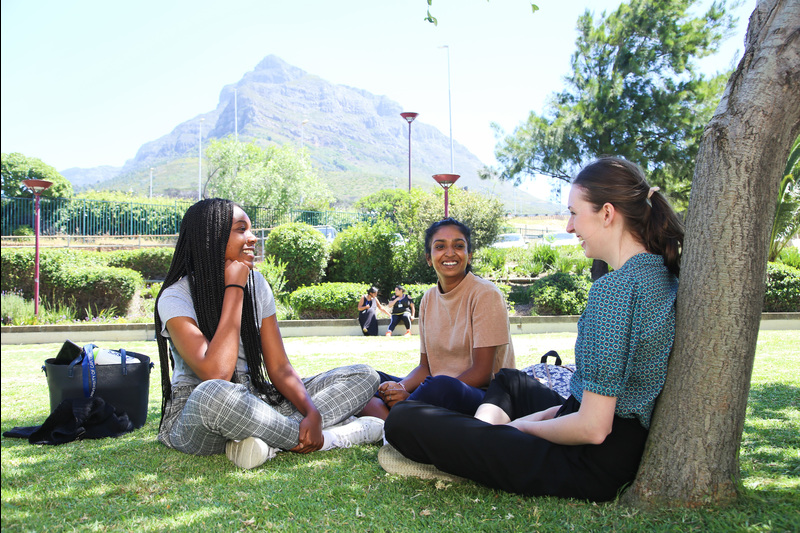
357,140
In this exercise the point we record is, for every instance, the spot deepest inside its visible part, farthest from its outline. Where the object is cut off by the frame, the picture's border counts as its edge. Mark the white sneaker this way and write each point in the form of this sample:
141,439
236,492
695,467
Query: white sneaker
249,453
364,430
348,420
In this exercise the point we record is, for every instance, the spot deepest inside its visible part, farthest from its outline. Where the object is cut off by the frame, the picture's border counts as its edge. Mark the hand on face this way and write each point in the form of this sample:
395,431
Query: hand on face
236,273
240,251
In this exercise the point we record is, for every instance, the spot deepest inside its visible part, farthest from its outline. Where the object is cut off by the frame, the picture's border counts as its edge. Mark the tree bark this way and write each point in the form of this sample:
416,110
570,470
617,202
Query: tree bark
692,455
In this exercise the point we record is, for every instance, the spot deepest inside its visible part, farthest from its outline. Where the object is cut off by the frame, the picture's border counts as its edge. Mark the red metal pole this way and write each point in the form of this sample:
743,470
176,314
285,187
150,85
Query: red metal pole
409,157
446,203
36,258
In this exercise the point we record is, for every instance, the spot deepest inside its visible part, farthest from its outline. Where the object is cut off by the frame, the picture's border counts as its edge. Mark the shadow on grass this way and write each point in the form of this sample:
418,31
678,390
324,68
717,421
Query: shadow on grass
771,438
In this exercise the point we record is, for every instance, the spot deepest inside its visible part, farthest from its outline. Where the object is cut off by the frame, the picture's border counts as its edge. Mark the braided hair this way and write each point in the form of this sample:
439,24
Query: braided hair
200,257
647,212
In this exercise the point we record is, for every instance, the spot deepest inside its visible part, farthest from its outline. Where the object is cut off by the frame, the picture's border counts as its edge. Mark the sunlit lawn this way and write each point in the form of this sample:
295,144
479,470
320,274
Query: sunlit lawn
133,483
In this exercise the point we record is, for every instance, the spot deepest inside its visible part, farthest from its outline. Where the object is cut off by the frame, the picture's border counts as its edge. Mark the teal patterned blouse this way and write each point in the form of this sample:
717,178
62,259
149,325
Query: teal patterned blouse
625,336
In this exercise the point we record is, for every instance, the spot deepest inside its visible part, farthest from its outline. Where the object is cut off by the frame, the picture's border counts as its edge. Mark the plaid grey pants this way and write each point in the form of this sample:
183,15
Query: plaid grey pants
200,419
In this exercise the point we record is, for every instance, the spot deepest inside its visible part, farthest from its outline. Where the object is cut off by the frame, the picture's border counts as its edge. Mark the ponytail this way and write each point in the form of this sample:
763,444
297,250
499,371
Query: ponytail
662,233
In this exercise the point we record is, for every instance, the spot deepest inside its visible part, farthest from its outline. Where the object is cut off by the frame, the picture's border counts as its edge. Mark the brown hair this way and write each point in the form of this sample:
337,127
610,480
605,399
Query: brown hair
647,213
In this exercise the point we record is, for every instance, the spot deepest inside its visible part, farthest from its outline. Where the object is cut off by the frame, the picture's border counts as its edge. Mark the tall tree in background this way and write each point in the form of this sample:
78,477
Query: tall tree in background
692,453
635,92
279,177
17,167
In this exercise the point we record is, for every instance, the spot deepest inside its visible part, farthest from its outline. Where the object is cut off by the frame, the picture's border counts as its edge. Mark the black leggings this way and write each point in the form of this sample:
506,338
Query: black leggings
503,457
396,320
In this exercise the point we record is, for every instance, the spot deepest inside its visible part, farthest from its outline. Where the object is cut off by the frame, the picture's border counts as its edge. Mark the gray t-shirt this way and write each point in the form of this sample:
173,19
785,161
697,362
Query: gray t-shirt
176,300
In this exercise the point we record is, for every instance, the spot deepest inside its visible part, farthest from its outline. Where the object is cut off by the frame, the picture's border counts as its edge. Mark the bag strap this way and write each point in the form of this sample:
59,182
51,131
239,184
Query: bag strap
89,371
552,353
123,361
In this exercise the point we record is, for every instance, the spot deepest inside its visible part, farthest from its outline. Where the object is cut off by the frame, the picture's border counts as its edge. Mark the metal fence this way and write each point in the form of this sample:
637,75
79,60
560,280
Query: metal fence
64,216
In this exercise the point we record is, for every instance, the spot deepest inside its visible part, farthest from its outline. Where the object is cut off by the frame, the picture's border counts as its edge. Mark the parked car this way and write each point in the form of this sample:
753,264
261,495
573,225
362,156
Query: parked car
561,239
509,240
328,231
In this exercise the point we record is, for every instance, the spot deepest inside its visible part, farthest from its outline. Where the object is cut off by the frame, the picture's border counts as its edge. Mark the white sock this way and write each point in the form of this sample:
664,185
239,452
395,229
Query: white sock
329,440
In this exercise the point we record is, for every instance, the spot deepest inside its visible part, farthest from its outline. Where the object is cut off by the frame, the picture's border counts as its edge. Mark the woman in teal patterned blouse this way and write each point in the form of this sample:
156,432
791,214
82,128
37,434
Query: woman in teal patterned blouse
525,438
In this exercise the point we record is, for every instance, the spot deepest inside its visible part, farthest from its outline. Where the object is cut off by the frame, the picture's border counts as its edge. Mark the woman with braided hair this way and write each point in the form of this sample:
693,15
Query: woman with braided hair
524,437
233,388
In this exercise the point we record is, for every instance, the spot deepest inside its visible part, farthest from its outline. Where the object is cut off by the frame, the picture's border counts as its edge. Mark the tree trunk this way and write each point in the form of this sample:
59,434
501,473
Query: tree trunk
692,454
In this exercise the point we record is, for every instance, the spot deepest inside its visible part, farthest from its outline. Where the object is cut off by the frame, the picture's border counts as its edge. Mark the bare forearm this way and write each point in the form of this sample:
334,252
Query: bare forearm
289,384
223,350
415,377
591,424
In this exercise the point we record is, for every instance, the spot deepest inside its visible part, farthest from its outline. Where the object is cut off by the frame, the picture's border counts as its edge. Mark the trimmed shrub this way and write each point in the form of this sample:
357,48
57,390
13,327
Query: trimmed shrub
415,292
78,279
328,300
18,267
303,249
93,289
364,253
560,294
151,263
17,271
783,289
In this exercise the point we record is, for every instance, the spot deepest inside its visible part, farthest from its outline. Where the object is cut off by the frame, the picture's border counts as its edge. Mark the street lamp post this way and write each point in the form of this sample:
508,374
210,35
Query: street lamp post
38,187
200,160
303,133
446,181
449,106
151,183
410,118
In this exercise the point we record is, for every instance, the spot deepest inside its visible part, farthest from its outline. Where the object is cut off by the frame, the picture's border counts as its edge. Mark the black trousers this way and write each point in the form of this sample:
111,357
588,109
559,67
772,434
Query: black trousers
396,319
505,458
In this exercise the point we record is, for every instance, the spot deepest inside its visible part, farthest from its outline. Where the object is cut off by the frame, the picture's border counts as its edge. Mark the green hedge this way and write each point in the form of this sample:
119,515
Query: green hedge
328,300
364,253
302,249
560,294
783,289
415,293
74,278
151,263
93,289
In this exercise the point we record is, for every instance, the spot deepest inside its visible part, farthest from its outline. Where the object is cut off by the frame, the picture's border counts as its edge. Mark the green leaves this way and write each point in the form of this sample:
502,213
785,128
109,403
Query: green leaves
278,177
17,167
787,212
302,249
633,92
430,18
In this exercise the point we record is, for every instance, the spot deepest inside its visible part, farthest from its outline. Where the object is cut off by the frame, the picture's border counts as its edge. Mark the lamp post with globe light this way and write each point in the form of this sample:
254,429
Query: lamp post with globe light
410,118
446,181
37,187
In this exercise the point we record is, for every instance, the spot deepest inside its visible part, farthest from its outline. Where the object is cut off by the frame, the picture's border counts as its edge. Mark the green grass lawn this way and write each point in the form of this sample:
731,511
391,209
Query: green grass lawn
133,483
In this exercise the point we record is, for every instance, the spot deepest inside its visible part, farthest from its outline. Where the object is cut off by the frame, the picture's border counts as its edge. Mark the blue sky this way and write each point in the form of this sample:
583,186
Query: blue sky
86,82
